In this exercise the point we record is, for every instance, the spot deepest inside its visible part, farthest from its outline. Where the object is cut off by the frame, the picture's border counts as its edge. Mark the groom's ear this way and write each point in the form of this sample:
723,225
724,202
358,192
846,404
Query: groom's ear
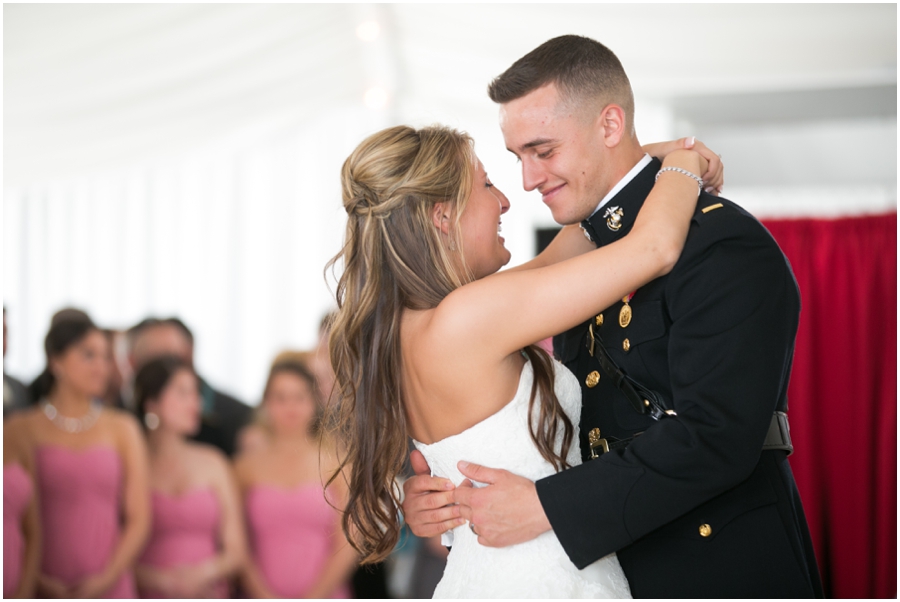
440,217
611,125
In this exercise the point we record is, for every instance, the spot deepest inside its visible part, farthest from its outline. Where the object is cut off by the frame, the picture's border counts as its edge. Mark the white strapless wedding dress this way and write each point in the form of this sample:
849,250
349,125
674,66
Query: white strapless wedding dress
535,569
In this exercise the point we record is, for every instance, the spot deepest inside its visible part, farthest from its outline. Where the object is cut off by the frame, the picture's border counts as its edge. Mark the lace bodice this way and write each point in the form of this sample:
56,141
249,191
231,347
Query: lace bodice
537,568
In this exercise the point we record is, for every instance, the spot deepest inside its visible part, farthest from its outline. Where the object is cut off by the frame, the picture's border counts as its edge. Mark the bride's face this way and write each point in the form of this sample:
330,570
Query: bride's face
483,248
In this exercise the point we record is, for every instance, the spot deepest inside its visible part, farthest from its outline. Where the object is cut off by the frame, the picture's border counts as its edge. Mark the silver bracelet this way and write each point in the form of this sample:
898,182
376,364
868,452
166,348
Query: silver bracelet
685,172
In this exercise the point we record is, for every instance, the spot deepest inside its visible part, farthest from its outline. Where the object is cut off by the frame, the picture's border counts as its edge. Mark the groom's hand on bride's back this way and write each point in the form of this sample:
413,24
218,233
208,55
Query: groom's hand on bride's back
506,511
428,501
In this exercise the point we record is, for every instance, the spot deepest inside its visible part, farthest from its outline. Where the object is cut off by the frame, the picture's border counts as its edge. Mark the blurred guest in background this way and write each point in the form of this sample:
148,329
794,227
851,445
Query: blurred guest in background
297,545
15,394
21,528
112,397
63,315
255,435
90,469
222,416
428,567
197,538
320,362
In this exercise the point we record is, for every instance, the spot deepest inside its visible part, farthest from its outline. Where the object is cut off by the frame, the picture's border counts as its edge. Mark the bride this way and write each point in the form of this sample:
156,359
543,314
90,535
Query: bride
430,342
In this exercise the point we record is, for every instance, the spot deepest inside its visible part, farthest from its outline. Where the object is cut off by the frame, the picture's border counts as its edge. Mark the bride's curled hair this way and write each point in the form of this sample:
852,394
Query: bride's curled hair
393,259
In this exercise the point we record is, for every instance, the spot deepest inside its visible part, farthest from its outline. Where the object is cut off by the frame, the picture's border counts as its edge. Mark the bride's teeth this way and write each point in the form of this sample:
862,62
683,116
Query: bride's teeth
499,227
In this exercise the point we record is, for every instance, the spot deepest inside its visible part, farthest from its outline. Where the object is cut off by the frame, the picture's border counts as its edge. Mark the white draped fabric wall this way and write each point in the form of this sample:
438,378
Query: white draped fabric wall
184,159
233,239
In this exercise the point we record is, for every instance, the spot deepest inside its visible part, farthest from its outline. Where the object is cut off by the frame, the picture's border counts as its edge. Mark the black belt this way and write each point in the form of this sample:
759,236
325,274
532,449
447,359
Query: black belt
778,437
647,401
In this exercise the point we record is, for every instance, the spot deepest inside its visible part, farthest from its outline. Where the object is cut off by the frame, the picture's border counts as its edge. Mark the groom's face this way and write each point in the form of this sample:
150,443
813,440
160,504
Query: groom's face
562,152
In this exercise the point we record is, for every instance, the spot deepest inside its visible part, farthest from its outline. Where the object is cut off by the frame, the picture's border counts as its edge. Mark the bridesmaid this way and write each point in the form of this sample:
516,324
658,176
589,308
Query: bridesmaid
91,471
298,548
197,540
21,528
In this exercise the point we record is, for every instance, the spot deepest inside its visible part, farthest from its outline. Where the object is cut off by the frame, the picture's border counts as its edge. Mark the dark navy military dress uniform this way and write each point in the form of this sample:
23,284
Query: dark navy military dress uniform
693,505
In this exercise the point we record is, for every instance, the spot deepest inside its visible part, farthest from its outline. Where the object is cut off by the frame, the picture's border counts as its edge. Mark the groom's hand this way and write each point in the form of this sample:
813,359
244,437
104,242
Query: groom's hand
428,501
505,512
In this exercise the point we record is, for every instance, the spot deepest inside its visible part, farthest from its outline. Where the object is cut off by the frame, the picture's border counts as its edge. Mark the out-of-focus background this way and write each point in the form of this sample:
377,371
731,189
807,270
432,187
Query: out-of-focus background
183,160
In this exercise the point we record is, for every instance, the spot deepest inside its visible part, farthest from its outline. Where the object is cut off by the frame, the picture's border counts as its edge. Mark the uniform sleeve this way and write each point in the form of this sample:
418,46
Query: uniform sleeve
734,307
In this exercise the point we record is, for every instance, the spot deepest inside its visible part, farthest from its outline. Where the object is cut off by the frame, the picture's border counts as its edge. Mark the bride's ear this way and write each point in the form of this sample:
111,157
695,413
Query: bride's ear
440,217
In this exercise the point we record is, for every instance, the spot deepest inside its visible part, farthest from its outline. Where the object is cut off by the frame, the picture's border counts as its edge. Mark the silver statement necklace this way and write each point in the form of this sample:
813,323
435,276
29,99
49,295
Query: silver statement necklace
72,425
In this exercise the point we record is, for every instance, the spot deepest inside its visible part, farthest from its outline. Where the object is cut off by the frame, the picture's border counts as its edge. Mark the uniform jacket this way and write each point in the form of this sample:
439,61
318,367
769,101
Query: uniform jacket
693,507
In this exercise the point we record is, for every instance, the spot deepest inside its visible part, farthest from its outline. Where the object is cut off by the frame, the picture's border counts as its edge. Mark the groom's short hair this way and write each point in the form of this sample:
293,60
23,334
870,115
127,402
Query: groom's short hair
584,71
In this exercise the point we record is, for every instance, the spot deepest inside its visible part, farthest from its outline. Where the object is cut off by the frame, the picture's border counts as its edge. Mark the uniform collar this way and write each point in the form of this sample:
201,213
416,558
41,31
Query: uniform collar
640,165
623,207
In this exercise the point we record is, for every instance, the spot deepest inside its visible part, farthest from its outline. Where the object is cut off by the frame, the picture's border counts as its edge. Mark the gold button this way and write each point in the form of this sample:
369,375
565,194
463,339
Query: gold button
599,320
592,379
626,344
705,530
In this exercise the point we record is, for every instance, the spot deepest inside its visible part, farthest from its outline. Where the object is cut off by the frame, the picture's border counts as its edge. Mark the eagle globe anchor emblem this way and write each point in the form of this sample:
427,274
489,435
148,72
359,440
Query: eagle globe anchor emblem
614,217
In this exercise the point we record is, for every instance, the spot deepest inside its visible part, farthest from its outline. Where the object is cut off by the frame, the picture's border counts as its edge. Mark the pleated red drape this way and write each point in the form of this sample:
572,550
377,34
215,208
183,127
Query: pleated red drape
843,396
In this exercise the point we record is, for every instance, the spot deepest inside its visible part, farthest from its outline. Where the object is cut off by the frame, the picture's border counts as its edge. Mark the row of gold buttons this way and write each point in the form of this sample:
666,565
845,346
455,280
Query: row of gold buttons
624,320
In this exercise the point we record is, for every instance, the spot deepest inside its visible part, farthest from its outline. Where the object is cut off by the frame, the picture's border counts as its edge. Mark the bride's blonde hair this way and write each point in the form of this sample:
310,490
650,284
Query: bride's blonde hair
394,258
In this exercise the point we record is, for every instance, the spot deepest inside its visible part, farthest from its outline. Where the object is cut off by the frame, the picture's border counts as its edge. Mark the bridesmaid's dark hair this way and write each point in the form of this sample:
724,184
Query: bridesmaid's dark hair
62,335
150,380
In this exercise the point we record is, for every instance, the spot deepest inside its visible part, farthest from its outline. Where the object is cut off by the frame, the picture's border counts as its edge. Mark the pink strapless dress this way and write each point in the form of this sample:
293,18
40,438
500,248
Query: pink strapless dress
80,500
17,493
291,537
185,532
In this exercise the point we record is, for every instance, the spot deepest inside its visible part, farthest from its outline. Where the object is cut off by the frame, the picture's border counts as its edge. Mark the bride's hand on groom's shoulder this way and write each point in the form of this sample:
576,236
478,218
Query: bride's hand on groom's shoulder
713,177
427,505
506,511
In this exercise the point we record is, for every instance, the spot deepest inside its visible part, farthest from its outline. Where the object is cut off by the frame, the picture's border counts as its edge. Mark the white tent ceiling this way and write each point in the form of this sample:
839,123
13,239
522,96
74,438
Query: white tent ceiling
91,86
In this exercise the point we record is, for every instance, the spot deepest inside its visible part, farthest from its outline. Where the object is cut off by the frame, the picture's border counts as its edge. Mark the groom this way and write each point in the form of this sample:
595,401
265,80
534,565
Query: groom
699,502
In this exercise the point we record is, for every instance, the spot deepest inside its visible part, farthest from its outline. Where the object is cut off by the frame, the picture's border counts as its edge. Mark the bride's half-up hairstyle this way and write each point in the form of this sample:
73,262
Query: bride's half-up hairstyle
394,258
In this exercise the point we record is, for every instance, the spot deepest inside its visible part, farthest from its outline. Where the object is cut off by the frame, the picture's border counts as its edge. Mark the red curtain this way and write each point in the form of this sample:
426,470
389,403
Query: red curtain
843,396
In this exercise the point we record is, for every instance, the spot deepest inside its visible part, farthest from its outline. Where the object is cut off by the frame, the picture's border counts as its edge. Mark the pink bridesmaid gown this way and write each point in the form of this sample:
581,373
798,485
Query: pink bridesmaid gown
80,501
185,532
17,493
291,534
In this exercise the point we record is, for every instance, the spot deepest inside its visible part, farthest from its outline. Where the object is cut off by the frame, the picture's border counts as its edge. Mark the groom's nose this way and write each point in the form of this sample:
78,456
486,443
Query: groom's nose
532,174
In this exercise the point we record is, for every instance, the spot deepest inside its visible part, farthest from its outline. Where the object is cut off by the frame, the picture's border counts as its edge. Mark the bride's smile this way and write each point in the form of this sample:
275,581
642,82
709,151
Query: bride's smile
480,226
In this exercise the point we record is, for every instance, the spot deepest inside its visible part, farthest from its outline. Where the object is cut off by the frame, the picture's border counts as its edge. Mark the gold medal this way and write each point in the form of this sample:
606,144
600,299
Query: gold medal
625,312
625,316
